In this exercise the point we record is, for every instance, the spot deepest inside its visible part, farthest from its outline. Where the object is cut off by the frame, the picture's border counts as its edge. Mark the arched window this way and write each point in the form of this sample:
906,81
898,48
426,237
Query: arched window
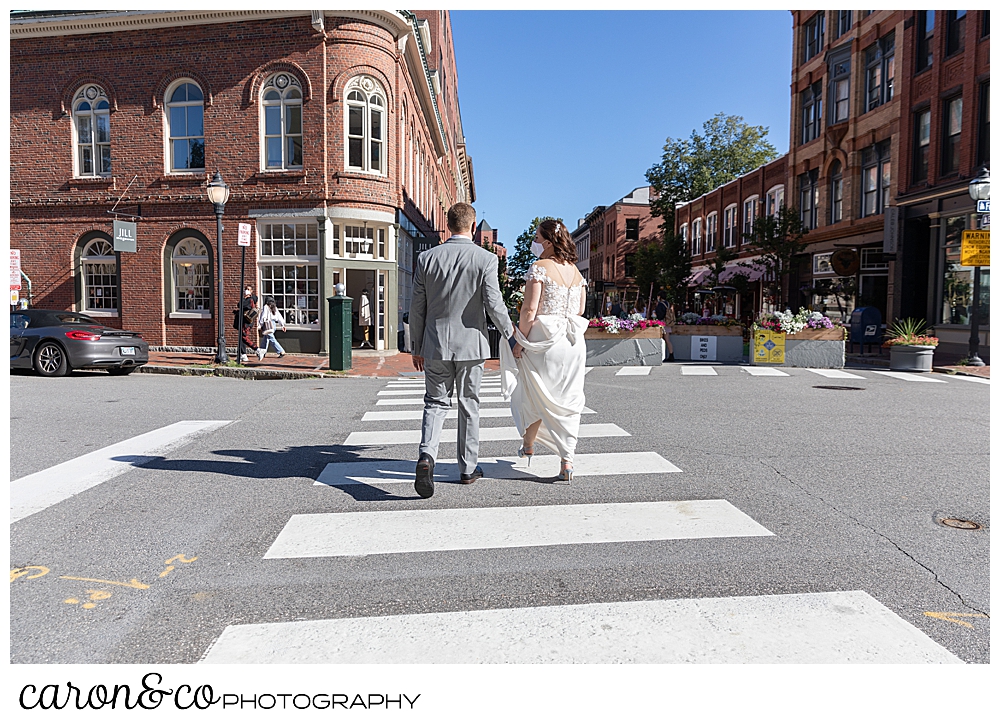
99,269
191,278
186,129
365,125
281,120
92,121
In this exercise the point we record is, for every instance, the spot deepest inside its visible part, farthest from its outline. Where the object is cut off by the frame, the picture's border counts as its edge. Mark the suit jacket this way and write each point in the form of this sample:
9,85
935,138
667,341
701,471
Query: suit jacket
455,286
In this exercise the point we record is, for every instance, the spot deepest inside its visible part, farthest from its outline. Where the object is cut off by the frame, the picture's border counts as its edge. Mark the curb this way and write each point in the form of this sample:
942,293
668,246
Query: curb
237,372
953,371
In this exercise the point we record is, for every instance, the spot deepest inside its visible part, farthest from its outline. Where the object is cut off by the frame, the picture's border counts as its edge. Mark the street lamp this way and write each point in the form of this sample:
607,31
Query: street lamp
218,195
979,190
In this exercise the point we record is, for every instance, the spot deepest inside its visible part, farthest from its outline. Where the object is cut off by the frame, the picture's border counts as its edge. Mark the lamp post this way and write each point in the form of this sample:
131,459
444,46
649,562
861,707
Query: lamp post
218,195
979,190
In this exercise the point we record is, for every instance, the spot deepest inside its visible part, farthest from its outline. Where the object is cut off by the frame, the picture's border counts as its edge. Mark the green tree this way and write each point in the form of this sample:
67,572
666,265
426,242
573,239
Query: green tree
778,239
665,263
727,149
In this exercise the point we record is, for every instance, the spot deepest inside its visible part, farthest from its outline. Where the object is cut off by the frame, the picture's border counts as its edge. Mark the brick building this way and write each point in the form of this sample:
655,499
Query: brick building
487,236
337,132
889,123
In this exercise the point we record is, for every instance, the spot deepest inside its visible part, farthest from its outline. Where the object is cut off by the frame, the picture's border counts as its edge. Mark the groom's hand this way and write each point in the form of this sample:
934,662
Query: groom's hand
418,363
516,349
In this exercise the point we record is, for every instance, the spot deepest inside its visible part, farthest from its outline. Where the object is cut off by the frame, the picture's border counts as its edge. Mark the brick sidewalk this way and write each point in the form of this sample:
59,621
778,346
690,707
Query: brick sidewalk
365,364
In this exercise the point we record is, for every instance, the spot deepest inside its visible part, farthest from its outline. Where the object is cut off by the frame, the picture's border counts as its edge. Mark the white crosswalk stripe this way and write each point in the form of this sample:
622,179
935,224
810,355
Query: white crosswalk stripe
412,437
401,472
420,401
836,374
330,535
633,371
969,378
908,376
800,628
765,372
698,370
380,416
40,490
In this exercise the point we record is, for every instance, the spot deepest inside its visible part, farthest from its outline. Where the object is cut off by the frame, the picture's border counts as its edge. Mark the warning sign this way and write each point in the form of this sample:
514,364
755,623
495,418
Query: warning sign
768,347
975,248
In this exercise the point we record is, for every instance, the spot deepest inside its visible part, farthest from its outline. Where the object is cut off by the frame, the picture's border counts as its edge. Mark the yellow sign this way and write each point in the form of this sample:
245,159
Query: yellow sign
768,347
975,248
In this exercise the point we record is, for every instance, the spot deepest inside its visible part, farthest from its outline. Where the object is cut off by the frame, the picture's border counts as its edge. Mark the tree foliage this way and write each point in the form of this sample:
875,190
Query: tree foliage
778,239
665,263
727,148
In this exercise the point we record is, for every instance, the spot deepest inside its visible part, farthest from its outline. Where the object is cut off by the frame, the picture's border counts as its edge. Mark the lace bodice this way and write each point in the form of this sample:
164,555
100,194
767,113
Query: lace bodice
556,298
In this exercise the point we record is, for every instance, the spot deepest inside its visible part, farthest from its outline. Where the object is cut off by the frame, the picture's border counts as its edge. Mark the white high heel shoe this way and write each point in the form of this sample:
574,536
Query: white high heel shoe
522,452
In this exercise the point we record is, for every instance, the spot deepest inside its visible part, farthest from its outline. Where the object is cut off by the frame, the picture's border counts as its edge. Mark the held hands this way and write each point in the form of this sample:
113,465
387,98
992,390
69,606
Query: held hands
418,363
517,349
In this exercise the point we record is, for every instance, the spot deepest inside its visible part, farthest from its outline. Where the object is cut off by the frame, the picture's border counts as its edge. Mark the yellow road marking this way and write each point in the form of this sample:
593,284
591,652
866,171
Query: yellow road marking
131,584
953,617
16,573
180,557
164,573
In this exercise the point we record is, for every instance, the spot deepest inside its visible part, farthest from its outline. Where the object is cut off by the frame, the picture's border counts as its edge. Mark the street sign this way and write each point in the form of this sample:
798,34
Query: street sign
768,347
704,348
124,235
243,239
891,229
984,220
15,269
983,207
975,248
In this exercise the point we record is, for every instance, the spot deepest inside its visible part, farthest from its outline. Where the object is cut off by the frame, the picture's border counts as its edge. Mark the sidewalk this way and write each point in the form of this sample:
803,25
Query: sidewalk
292,366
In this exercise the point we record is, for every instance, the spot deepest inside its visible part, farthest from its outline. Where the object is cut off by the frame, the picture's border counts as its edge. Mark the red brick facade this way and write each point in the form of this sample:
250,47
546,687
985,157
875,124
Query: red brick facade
229,55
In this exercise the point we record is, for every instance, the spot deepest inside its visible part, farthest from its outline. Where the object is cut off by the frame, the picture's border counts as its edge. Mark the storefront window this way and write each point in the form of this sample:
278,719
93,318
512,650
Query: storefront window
958,280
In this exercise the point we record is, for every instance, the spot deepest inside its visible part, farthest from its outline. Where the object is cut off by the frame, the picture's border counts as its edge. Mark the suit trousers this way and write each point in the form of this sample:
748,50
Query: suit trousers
441,378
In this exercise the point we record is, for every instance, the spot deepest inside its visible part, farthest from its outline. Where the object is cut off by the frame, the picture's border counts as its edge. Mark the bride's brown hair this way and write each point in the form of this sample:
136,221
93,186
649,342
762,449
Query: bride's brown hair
563,248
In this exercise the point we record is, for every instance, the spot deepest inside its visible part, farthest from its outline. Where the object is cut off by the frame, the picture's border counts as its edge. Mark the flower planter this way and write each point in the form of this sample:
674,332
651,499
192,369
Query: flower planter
707,342
911,358
638,348
813,348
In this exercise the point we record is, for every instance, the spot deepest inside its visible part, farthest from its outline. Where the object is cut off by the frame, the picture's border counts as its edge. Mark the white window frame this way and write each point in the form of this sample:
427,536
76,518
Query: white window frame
98,111
775,199
729,219
296,259
696,237
749,218
104,255
365,94
289,98
179,260
711,231
168,136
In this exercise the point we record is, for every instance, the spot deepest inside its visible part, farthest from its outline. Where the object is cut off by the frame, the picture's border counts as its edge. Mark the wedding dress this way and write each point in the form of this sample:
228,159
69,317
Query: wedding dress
546,383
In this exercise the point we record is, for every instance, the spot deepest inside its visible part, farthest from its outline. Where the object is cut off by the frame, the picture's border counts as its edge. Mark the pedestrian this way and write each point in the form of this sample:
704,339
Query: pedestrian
455,287
270,320
247,316
669,319
617,311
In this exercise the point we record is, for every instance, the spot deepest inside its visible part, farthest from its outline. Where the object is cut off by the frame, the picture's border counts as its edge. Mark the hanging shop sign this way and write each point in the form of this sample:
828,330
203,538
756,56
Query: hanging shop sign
975,248
845,262
124,235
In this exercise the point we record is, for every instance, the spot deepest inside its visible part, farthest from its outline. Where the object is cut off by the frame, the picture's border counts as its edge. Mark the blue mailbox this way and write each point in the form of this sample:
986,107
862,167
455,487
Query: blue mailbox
866,326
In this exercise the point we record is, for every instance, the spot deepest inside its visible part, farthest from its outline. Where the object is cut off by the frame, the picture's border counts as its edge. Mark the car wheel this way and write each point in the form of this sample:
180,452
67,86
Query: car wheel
50,360
121,371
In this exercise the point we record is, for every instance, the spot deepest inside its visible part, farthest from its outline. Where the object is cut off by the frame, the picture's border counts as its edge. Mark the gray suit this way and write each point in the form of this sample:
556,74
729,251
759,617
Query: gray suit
454,287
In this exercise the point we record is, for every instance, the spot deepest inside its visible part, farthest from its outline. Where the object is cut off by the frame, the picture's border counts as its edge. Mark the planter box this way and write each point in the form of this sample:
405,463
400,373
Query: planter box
707,343
911,358
639,348
706,330
813,348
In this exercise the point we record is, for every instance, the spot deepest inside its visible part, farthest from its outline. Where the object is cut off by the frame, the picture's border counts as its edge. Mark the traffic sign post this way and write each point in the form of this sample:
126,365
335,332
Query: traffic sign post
975,248
243,239
15,270
983,206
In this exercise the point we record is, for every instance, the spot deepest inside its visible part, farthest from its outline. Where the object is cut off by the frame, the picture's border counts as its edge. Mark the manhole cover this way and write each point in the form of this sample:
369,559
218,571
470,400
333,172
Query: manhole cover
836,387
961,524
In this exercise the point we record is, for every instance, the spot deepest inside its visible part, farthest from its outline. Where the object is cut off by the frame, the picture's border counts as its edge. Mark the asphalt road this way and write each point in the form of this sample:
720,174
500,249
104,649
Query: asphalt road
853,483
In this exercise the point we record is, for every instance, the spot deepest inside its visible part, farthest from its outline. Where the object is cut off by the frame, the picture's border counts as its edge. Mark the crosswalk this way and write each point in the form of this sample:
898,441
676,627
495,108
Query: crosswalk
709,370
827,627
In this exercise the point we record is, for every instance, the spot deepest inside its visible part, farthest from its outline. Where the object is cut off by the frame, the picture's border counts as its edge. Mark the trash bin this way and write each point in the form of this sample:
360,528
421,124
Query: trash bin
340,329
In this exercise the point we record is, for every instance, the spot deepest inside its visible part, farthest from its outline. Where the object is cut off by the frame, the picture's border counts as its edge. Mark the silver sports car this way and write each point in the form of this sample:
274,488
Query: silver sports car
54,342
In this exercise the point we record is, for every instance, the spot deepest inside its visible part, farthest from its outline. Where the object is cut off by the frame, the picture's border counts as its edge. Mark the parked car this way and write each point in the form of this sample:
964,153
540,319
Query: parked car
54,342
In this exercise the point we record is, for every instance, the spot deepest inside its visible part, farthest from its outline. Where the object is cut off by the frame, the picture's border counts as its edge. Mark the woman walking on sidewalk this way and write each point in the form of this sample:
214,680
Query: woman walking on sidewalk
246,322
270,320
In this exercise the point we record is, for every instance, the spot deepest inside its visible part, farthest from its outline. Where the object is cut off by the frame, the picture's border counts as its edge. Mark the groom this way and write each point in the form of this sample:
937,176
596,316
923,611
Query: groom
454,287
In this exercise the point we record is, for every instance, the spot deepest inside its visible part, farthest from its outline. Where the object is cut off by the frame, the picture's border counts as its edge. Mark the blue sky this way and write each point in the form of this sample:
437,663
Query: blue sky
566,110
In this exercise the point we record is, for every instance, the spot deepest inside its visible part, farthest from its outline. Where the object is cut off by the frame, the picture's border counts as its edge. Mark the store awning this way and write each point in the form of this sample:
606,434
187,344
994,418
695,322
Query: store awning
696,276
754,273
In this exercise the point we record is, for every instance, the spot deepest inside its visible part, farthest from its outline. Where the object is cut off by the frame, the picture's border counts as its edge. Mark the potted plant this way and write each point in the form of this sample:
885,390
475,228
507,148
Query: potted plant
910,348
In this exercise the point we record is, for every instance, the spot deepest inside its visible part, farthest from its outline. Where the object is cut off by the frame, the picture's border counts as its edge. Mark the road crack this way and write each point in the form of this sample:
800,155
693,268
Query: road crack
893,543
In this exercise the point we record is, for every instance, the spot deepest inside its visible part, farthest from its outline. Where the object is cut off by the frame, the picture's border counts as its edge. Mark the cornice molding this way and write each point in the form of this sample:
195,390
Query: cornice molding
126,20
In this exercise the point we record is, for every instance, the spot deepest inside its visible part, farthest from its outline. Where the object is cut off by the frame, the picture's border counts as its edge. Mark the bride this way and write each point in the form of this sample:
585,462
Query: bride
543,373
